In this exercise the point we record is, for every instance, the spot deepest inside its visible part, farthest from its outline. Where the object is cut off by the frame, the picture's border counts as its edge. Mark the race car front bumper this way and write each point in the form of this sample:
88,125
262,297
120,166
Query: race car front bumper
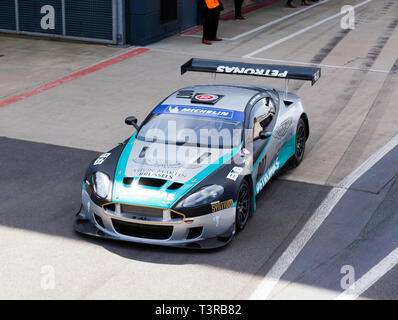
208,231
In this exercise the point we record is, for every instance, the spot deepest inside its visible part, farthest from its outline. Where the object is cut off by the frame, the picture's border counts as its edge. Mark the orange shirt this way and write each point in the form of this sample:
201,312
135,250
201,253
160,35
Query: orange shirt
211,4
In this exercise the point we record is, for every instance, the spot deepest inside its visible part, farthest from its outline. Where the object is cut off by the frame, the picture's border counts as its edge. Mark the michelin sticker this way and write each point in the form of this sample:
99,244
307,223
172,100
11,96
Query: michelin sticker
234,174
201,111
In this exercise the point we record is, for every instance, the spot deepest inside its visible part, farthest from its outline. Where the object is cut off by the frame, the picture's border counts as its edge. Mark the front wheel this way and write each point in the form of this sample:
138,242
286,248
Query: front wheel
242,206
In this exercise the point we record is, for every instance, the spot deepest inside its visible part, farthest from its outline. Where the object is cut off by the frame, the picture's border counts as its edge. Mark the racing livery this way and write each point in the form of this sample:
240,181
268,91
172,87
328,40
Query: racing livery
190,173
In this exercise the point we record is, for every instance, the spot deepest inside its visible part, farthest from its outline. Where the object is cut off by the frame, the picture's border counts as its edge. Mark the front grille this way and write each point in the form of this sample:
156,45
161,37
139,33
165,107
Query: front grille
142,211
139,230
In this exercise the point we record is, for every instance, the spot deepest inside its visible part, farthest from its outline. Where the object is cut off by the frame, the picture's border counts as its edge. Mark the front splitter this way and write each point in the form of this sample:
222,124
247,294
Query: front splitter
84,226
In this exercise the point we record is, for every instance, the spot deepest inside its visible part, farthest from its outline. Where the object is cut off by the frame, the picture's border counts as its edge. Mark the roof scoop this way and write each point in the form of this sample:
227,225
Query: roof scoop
185,94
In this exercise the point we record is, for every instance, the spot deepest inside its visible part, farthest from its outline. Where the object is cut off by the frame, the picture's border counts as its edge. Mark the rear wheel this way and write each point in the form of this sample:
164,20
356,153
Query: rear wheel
242,206
301,138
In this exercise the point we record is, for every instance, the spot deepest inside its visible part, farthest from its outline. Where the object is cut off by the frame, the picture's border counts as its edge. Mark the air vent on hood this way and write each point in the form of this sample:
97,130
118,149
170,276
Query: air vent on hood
127,180
185,94
151,182
175,186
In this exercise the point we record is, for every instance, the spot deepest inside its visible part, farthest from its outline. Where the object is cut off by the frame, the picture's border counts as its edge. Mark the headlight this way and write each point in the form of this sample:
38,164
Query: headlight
101,184
203,196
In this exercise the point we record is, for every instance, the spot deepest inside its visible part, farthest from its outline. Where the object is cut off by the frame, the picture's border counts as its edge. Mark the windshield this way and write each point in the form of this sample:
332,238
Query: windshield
191,131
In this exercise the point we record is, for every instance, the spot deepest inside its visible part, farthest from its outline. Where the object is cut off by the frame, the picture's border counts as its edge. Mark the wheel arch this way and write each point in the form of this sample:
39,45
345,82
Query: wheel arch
248,178
304,116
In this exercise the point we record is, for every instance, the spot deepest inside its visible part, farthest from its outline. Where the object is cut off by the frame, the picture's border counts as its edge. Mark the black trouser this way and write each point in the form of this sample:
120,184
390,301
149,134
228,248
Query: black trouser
210,24
238,8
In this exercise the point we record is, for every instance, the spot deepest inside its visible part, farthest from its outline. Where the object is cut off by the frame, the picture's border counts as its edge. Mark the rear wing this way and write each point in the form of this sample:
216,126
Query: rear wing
250,69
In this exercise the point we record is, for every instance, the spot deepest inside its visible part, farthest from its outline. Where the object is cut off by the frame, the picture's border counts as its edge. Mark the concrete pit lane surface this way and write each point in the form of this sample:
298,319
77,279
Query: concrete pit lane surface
318,229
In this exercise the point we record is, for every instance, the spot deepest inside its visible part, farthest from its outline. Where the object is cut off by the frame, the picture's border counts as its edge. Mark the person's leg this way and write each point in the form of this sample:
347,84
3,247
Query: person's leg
207,25
238,8
215,20
290,4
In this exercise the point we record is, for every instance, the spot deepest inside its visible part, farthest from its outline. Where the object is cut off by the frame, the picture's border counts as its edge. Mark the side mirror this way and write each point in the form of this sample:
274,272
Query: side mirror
265,134
131,121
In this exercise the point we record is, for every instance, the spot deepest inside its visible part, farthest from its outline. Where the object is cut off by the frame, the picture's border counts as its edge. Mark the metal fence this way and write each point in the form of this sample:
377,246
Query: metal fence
89,20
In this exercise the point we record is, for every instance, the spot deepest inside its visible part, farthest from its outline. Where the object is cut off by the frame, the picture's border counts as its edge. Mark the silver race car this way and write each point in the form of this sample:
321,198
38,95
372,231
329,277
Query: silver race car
190,173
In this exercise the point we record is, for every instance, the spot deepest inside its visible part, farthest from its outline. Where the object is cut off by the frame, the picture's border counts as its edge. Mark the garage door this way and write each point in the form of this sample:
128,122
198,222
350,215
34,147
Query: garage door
90,20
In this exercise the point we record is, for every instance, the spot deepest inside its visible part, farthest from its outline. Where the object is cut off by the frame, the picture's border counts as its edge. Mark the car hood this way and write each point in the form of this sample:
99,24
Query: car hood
185,165
175,163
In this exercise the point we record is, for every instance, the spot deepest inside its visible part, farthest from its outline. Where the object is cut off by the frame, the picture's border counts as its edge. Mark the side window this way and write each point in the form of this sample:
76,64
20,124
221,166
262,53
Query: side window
260,116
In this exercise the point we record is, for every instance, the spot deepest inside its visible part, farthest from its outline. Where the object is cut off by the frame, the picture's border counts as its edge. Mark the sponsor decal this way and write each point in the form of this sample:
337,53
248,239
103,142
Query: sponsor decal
206,97
201,111
221,205
234,174
101,159
158,173
253,71
267,176
172,109
282,130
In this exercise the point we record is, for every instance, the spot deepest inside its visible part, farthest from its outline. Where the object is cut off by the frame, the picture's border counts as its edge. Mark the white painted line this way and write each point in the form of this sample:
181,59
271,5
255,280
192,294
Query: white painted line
370,278
264,25
197,36
273,44
278,20
322,65
273,276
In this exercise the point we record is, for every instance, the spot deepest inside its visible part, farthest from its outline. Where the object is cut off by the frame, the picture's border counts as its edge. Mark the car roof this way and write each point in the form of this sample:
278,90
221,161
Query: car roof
235,97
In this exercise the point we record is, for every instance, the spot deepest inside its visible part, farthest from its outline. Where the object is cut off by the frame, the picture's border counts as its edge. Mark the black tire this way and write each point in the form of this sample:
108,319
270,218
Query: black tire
243,206
301,138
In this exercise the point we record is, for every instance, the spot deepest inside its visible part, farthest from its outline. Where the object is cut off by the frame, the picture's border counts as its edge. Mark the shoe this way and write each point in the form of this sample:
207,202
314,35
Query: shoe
305,3
291,5
216,39
208,42
240,18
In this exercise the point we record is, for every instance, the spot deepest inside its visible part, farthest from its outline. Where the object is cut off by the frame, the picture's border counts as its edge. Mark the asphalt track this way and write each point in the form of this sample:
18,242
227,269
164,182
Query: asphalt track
48,138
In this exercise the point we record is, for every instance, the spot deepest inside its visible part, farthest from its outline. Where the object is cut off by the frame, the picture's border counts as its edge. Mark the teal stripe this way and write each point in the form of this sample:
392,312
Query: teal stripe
287,151
261,155
156,197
